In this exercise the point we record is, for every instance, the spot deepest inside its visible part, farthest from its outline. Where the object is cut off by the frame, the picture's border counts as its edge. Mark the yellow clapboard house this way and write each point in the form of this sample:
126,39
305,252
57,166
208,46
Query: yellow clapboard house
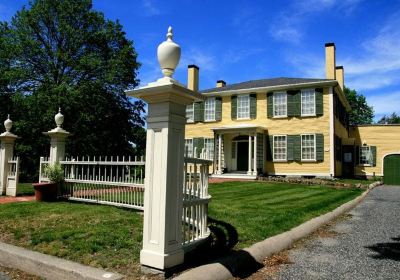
285,127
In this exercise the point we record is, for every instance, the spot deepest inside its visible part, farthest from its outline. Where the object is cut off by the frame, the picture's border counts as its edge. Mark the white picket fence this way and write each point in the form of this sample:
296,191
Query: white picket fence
12,176
195,200
120,182
117,181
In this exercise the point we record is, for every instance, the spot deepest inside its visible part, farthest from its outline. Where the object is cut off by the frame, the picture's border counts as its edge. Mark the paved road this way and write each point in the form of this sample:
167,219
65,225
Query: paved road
367,245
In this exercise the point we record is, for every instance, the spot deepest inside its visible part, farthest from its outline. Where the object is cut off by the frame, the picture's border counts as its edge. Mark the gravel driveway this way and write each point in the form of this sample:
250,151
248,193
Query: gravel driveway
366,246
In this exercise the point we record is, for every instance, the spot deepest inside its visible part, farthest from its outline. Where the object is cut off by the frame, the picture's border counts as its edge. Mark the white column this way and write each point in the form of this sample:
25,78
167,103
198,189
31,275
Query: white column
219,171
249,172
255,155
6,152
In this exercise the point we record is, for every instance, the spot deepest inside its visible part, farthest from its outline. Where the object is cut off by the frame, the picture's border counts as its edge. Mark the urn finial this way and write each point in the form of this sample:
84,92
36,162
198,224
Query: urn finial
8,123
168,54
59,118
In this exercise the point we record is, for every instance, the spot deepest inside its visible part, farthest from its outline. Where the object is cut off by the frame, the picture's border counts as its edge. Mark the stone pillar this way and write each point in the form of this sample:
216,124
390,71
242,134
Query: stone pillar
255,155
165,145
57,139
219,171
6,152
249,172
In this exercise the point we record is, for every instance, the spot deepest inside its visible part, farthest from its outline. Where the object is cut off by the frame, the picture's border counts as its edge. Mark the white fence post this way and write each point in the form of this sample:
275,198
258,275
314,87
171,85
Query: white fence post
165,146
57,139
6,153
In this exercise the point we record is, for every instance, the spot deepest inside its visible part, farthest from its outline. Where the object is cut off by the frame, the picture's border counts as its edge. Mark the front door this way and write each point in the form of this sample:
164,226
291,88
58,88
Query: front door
242,156
348,161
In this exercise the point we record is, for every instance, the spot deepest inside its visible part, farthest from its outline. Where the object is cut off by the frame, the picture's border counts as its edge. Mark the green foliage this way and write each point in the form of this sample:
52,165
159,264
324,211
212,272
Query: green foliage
361,112
63,53
54,172
392,119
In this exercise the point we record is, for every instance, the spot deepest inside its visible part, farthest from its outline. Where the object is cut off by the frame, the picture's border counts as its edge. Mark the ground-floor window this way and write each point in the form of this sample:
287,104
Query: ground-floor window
189,147
209,146
308,147
280,147
365,155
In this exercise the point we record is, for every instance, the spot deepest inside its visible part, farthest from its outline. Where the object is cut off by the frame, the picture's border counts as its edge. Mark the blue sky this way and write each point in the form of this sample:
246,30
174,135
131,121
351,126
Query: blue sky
244,40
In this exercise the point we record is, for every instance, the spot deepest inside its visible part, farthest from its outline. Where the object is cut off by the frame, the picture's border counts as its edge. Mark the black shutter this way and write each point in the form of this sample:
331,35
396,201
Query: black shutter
296,147
270,143
218,108
199,144
270,105
253,106
234,107
373,152
319,101
198,111
357,161
320,147
290,147
293,103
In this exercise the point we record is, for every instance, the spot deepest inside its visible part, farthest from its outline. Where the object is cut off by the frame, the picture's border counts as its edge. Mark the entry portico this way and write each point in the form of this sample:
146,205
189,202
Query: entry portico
239,151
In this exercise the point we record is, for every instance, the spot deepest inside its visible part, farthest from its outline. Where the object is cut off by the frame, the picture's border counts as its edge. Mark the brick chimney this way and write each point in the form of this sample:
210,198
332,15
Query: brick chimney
221,83
340,76
193,77
330,61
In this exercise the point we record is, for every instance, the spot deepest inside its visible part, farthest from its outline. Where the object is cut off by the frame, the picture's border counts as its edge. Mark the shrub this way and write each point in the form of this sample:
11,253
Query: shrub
54,172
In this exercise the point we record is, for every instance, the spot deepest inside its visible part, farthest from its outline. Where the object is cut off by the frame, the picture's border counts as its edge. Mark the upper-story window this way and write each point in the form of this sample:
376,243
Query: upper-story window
190,113
280,148
365,155
209,109
308,147
280,104
308,102
243,107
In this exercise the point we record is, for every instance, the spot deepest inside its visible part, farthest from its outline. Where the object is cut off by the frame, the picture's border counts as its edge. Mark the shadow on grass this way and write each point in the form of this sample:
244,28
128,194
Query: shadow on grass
218,248
387,250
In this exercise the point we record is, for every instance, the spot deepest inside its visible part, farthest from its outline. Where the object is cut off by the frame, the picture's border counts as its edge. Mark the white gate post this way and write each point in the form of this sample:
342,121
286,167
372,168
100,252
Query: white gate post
6,152
165,146
57,139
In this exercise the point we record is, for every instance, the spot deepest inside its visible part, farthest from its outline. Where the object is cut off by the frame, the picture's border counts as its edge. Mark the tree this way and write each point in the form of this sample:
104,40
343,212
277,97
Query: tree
361,112
59,53
392,119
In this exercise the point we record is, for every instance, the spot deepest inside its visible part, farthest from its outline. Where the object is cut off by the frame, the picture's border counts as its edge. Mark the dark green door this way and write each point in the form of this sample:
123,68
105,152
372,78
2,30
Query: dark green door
242,156
391,170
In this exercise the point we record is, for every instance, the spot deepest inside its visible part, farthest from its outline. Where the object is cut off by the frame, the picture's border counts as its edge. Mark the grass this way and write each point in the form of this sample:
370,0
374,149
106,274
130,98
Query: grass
25,189
108,237
357,181
259,210
94,235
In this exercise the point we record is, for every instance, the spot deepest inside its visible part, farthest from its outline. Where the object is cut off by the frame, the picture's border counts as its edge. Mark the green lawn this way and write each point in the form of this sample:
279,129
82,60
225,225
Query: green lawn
99,236
25,189
108,237
259,210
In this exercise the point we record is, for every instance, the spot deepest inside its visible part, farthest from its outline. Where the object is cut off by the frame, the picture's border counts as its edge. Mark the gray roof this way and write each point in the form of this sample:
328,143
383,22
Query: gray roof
265,83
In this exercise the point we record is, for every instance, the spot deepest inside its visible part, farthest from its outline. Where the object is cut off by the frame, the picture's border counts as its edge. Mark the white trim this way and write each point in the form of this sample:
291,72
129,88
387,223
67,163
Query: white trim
383,159
315,148
359,156
237,107
332,133
213,119
301,103
187,119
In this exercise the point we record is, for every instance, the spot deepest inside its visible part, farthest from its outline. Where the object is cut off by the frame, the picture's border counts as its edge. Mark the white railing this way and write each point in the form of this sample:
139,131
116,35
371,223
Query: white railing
117,181
12,176
195,200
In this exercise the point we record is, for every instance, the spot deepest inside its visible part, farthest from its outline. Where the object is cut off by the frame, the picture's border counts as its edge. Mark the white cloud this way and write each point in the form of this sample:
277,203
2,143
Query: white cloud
289,25
386,103
150,8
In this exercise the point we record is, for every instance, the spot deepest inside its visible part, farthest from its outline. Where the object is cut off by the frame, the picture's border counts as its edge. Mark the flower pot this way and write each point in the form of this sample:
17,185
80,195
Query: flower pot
45,191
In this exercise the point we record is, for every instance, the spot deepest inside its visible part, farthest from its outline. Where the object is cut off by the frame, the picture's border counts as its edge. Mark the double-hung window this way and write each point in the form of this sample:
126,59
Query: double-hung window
280,147
308,147
280,104
189,147
308,102
190,113
209,146
243,107
209,109
365,155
